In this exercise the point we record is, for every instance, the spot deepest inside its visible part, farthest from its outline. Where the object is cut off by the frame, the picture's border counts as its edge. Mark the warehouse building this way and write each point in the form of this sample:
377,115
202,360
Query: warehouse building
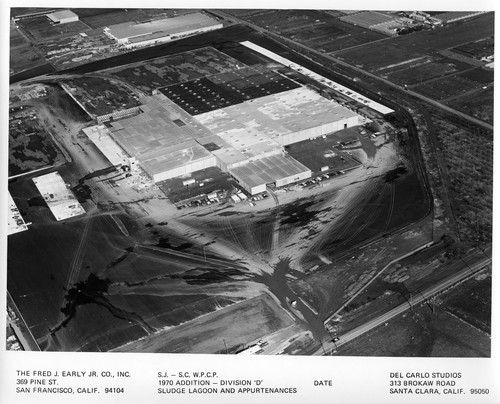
281,119
245,140
131,35
163,139
279,170
62,17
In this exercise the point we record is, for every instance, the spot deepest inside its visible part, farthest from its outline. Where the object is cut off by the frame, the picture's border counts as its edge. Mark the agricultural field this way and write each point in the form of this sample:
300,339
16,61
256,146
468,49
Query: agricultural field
40,28
424,69
30,145
450,36
373,57
456,85
478,104
368,18
168,70
24,58
385,54
16,38
318,29
101,96
23,55
477,49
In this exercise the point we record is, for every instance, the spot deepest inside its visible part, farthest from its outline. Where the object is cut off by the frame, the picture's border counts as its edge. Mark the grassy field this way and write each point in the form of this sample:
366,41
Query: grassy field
473,304
22,55
469,158
478,104
382,54
448,87
477,49
425,69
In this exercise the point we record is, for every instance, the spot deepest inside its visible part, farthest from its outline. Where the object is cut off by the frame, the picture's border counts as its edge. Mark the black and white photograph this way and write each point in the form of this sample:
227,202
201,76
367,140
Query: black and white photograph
303,190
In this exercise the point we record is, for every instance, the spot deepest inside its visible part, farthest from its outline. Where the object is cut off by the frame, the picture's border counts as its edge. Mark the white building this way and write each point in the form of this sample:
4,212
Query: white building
132,35
62,17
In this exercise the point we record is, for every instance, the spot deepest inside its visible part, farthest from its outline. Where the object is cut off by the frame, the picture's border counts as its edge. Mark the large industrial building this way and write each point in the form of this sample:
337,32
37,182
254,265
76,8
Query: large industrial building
130,34
246,139
239,121
163,139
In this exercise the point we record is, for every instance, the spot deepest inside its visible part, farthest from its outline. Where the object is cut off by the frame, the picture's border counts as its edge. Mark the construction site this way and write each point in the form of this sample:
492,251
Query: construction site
215,196
238,120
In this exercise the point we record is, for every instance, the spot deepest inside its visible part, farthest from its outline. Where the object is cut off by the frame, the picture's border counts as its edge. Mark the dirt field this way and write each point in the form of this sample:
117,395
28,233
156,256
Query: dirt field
250,320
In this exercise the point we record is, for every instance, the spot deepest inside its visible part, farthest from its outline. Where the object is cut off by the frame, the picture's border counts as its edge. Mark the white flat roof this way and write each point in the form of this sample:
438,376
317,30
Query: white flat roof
62,203
102,139
269,169
253,125
330,83
62,15
169,26
16,222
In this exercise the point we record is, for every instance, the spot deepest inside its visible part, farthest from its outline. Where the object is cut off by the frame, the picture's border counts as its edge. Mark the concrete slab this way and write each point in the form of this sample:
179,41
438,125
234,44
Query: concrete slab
61,202
15,222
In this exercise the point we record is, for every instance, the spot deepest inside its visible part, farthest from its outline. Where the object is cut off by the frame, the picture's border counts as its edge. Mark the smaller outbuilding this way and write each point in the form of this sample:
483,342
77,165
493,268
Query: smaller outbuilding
62,17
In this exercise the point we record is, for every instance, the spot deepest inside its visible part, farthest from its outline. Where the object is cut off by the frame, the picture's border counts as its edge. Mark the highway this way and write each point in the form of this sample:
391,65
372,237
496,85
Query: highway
282,39
461,275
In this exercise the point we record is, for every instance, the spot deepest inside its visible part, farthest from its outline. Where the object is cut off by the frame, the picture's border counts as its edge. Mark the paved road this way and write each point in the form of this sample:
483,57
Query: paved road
282,39
439,287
